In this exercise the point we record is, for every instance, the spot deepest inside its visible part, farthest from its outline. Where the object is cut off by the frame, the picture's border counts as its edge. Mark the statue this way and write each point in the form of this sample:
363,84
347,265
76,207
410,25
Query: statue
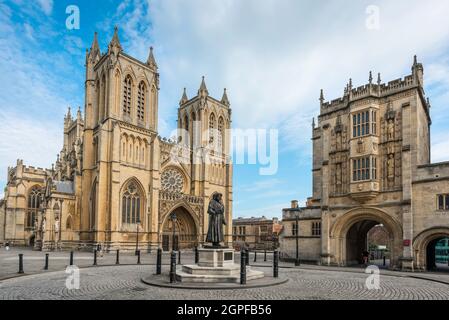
216,220
390,129
390,165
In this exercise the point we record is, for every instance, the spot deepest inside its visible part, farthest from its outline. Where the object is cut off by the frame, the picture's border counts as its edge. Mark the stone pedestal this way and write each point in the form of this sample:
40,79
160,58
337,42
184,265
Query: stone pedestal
216,265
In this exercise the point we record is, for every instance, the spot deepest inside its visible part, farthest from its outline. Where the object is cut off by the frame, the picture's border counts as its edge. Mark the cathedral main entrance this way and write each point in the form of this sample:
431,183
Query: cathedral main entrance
185,232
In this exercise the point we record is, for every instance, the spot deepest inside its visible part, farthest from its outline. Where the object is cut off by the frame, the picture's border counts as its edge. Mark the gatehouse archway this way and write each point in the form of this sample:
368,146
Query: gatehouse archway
186,235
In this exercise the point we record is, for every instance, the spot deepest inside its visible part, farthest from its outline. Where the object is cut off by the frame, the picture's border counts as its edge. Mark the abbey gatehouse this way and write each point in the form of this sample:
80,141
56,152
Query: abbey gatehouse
115,178
371,167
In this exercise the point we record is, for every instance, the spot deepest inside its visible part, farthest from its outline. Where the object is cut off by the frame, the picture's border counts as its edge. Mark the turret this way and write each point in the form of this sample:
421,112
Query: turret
114,46
224,99
418,71
203,92
184,98
151,61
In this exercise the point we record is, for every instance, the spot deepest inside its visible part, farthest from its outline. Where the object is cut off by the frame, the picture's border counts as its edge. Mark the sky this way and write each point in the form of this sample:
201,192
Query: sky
273,56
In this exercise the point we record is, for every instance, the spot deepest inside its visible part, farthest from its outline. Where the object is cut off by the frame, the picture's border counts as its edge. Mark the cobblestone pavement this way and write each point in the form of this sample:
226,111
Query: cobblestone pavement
123,282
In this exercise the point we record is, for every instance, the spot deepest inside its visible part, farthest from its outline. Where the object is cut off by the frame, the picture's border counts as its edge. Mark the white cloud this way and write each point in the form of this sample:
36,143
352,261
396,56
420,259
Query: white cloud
46,6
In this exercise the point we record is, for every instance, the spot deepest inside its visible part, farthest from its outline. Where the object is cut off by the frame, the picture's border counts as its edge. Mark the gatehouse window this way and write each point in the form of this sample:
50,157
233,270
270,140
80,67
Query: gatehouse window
131,204
364,169
34,202
364,123
294,230
443,202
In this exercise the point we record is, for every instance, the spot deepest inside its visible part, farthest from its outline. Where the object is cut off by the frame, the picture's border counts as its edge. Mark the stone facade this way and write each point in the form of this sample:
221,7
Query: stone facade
256,233
116,179
371,165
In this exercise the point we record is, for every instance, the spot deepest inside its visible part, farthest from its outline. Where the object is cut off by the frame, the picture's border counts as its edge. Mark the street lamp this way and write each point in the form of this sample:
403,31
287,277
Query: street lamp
297,261
137,237
173,219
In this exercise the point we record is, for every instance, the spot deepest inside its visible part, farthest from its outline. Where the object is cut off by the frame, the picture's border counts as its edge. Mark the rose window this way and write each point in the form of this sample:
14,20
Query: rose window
172,181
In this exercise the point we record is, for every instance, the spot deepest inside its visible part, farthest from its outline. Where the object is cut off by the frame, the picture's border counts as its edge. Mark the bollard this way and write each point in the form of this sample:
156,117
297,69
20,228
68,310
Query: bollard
117,259
197,255
173,267
276,264
95,257
71,258
21,263
247,257
255,256
265,255
179,257
159,261
243,267
138,256
385,261
46,261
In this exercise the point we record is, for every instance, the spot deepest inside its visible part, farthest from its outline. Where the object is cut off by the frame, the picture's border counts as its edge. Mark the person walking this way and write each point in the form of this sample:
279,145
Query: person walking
7,246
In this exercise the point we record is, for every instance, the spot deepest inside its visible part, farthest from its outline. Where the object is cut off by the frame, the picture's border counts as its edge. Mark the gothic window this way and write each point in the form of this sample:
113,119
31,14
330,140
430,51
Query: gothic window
361,124
131,205
34,202
141,102
364,169
443,202
172,181
211,128
220,133
374,122
127,91
316,228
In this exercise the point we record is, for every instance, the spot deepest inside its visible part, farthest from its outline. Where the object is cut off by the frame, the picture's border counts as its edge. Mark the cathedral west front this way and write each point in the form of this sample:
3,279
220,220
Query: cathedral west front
116,181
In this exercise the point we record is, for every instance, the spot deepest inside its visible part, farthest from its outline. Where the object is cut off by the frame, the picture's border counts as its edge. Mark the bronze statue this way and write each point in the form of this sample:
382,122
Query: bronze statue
216,220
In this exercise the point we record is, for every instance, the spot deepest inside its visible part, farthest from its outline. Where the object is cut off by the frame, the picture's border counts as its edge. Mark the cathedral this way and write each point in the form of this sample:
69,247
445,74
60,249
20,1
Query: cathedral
116,182
372,167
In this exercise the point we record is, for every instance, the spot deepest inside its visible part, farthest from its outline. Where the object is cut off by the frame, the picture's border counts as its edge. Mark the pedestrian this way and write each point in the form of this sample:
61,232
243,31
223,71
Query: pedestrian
365,257
7,246
100,249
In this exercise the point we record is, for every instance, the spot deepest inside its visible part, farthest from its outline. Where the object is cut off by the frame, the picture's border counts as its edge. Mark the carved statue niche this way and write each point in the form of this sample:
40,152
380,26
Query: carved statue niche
390,168
390,118
360,146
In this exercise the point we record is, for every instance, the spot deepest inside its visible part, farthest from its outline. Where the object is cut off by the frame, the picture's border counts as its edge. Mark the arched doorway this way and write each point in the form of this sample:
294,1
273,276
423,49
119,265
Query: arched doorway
186,231
349,235
432,249
367,236
437,252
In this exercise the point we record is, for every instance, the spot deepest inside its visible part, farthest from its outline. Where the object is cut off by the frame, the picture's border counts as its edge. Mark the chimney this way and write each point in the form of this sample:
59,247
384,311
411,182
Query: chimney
295,204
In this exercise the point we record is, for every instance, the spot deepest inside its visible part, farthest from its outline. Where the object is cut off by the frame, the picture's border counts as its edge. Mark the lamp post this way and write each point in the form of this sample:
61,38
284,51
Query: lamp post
173,219
137,237
297,261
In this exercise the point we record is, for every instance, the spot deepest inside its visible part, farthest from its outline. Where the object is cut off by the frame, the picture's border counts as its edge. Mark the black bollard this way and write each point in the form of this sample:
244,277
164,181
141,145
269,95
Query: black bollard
71,258
243,267
385,261
197,255
247,257
21,263
255,255
173,267
159,261
46,261
138,256
179,257
95,257
276,264
117,258
265,255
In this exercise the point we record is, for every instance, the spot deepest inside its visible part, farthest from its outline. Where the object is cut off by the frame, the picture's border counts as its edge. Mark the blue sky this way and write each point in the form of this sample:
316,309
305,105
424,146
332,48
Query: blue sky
273,56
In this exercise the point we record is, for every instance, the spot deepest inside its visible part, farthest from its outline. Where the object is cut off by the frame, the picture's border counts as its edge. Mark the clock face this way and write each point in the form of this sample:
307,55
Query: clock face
172,181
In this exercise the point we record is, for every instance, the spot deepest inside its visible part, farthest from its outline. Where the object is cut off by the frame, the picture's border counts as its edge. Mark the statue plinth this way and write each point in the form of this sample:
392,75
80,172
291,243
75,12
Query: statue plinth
216,265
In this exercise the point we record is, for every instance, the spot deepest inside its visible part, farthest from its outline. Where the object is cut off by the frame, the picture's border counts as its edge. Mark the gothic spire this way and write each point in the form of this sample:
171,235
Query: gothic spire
225,99
370,79
95,48
78,114
321,97
151,61
184,98
203,88
115,42
379,80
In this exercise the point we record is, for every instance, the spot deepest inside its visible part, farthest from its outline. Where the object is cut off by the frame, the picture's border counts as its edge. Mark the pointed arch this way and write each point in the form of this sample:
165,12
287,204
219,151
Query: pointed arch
127,95
132,198
220,138
118,89
93,206
141,101
34,203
